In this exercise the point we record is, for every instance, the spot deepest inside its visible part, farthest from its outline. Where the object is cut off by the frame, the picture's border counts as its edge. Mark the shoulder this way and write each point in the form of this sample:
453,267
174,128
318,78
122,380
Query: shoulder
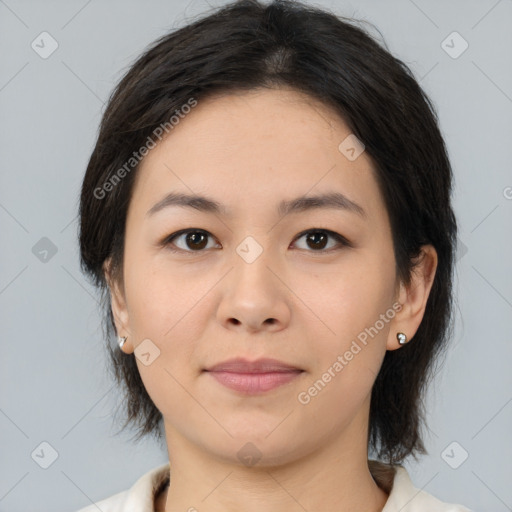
404,497
139,497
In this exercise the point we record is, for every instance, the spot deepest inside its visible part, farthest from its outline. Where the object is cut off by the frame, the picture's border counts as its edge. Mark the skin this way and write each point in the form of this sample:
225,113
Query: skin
249,151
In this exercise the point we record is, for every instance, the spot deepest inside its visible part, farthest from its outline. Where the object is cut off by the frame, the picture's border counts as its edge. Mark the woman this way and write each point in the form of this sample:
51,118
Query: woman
267,211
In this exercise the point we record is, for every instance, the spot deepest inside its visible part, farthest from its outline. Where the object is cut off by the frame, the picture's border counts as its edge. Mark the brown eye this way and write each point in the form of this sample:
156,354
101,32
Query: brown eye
317,240
192,240
196,240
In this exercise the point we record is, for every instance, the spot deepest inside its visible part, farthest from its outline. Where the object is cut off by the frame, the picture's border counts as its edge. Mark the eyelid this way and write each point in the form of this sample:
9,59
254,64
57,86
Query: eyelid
342,241
167,241
333,234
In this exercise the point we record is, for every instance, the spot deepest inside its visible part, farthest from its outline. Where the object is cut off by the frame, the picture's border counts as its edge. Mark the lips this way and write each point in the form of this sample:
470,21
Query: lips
266,365
253,377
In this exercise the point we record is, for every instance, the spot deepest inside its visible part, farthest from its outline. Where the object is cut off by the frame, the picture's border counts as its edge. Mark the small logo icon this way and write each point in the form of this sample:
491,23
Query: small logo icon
461,250
249,455
351,147
454,45
454,455
44,45
146,352
44,250
249,249
44,455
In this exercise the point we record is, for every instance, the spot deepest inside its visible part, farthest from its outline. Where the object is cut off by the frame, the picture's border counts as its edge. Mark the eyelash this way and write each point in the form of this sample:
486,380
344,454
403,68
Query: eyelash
342,241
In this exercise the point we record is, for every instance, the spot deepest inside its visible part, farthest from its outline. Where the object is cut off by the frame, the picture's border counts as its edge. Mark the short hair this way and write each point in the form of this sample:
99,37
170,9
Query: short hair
245,45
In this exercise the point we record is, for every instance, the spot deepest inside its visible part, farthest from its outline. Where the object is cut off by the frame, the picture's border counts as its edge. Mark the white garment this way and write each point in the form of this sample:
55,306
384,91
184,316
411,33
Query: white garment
404,497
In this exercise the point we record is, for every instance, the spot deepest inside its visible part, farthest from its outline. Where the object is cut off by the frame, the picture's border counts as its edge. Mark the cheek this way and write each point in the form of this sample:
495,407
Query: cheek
350,299
161,307
347,362
167,309
161,296
356,305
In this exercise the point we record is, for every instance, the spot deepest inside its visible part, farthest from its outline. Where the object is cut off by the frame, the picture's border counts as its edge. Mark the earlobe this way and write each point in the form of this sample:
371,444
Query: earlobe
118,305
413,299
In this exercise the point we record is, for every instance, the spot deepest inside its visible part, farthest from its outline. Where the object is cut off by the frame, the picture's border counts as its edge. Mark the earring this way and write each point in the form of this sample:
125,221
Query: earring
121,341
402,338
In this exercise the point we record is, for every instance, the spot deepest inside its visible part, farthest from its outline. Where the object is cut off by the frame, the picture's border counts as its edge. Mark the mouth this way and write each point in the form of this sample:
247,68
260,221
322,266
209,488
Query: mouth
254,377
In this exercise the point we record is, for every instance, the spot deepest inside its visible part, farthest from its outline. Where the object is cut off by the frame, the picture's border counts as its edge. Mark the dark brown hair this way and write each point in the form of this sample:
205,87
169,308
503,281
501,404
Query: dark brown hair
246,45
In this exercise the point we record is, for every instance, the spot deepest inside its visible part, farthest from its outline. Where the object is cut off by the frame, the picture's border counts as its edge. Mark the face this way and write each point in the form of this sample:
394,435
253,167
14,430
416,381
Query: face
312,285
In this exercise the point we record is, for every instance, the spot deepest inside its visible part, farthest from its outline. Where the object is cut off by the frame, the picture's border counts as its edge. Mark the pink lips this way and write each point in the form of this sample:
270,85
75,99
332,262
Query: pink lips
253,377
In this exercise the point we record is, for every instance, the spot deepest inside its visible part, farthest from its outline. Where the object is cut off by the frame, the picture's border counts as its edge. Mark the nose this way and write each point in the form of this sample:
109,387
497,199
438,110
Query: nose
254,297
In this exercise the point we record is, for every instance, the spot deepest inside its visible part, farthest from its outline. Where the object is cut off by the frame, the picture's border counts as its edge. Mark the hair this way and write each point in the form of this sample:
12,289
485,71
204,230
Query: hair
247,45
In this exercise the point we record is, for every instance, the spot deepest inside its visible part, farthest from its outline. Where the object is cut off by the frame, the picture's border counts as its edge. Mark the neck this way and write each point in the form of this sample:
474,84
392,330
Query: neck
165,503
337,477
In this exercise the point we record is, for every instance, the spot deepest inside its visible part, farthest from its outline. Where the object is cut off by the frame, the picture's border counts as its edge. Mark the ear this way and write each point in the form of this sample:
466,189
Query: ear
413,298
119,308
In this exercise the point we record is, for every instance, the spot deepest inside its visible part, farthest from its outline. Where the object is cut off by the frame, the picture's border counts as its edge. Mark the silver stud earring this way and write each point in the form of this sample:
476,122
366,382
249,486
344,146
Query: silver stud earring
121,341
402,338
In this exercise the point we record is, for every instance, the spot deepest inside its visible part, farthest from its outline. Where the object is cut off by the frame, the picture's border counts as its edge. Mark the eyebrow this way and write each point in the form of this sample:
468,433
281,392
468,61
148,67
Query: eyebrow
333,200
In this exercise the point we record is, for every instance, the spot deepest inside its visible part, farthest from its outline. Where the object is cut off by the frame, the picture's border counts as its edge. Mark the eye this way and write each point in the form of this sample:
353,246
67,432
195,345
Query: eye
318,238
195,240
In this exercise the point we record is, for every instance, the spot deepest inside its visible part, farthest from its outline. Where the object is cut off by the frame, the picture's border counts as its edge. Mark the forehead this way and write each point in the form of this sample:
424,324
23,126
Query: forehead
254,148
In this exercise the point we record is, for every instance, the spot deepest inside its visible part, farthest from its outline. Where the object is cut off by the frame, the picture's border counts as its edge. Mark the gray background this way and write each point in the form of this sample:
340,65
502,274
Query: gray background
54,385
